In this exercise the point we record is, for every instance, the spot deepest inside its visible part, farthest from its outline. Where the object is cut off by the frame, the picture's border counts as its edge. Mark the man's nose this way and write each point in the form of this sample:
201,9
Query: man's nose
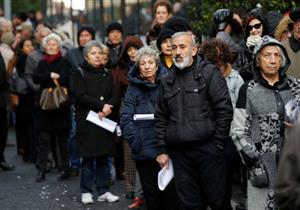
272,58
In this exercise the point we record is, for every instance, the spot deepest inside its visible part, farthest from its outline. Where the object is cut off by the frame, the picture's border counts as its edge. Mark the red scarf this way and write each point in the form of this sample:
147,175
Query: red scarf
52,58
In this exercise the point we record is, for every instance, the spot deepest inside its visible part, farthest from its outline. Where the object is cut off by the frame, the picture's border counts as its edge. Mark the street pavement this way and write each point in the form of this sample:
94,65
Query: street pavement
19,191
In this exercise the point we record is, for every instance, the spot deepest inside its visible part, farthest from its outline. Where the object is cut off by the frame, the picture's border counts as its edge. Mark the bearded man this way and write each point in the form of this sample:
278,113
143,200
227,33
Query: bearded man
192,122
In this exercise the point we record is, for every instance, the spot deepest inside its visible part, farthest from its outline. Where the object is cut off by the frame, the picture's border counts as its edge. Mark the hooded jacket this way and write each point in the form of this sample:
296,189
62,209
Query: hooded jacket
258,129
124,64
194,106
75,56
140,98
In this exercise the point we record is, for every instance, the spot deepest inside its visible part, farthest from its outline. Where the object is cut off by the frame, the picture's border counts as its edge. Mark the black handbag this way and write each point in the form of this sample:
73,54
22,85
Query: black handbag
54,98
258,175
18,84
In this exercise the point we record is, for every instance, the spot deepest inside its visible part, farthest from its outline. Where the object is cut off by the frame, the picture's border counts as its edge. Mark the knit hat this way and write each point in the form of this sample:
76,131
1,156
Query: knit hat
114,26
164,34
295,14
7,38
222,17
88,28
177,24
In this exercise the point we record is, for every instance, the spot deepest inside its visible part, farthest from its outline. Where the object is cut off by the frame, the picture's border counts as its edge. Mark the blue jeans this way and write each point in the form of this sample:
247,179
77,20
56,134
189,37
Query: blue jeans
73,156
95,170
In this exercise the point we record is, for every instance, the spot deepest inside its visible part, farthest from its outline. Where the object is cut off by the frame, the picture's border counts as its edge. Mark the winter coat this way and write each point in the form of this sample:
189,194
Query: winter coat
120,73
193,106
287,183
292,47
114,53
258,126
92,89
141,97
75,57
32,62
3,84
59,118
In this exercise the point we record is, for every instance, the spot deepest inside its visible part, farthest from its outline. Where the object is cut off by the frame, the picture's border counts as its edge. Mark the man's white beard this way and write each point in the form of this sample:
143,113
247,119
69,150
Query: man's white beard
186,61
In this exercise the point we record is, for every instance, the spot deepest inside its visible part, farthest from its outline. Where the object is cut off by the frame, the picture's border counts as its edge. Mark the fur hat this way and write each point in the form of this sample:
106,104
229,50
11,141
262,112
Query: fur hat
164,34
177,24
114,26
295,14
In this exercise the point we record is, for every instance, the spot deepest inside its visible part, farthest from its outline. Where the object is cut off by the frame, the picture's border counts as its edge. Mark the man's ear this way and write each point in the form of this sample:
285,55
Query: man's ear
194,50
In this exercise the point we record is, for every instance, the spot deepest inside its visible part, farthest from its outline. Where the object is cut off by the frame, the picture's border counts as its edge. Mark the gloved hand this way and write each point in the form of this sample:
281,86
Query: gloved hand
252,40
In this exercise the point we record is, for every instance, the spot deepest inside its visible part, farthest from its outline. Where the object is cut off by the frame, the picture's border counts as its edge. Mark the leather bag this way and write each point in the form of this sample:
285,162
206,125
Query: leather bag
54,98
18,84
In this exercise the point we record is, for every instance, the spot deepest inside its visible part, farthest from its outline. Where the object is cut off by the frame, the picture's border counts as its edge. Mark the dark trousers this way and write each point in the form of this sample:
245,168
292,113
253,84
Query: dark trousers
3,132
200,175
46,138
156,199
95,170
73,155
24,133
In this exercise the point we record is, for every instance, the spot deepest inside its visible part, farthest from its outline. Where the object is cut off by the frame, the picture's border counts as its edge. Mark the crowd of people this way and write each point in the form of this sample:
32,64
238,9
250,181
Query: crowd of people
224,109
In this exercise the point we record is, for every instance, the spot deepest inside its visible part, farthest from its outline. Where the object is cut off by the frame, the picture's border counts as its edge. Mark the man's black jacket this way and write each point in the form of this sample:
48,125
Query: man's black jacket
194,105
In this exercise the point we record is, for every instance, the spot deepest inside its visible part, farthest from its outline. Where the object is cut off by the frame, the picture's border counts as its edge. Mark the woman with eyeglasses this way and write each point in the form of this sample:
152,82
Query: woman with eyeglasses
254,30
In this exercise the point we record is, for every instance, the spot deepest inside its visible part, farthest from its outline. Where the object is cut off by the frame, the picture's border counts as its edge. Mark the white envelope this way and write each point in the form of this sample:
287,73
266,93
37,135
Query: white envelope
165,176
105,123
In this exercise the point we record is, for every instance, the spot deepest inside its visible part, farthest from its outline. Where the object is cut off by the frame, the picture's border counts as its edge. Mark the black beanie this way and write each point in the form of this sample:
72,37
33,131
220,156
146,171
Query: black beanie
114,26
88,28
163,34
177,24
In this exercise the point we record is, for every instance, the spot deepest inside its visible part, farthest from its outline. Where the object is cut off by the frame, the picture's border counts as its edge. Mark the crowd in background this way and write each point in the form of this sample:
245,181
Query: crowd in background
226,115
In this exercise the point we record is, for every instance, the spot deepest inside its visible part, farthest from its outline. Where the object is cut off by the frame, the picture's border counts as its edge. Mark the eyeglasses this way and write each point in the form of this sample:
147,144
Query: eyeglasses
256,26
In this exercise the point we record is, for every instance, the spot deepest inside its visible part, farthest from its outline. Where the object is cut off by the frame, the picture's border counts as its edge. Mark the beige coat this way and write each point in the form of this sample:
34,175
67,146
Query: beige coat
294,68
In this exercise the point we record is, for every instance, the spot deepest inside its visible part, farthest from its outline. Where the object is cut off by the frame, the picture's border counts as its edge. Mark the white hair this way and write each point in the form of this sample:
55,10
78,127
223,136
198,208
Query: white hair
54,37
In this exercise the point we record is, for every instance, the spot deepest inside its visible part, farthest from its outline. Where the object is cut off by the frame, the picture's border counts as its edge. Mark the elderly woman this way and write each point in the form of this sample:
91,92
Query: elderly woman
261,121
92,86
52,125
140,98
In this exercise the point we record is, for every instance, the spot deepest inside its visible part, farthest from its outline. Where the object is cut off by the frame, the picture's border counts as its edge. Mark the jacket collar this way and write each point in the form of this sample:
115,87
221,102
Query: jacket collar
196,68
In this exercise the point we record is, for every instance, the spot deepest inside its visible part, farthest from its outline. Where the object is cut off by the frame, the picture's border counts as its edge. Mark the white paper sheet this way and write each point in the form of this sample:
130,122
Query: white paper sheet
137,117
104,123
165,176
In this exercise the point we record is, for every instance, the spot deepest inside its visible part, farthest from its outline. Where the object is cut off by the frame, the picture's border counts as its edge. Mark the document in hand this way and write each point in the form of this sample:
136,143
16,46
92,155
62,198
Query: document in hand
292,112
137,117
165,176
104,123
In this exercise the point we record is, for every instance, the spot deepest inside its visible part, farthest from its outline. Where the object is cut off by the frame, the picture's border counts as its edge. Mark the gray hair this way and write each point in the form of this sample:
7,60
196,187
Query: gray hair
282,55
88,47
54,37
186,33
147,51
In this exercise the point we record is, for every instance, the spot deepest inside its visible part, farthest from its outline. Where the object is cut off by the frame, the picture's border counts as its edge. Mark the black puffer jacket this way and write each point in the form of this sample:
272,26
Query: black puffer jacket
194,105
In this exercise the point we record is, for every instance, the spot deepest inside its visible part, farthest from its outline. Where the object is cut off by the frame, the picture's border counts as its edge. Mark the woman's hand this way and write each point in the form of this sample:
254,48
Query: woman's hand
253,40
288,125
106,110
54,75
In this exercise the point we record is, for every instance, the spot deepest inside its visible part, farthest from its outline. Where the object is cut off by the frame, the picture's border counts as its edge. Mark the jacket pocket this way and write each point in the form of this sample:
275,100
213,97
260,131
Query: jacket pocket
172,100
194,95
